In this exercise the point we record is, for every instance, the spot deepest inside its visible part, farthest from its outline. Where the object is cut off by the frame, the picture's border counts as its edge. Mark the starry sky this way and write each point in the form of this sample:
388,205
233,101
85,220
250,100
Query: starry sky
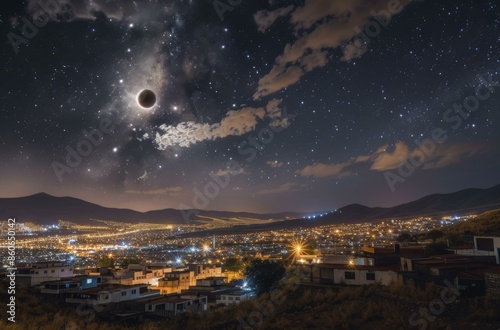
262,105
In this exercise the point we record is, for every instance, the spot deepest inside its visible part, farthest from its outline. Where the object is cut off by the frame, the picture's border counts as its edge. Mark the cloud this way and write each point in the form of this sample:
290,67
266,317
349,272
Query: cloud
275,164
229,172
457,153
265,18
325,170
235,123
320,26
168,191
384,159
355,49
287,187
82,9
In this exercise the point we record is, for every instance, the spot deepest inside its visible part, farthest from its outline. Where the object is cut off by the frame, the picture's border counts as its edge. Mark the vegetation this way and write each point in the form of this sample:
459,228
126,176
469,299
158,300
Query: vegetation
130,261
234,265
364,307
486,223
264,274
105,261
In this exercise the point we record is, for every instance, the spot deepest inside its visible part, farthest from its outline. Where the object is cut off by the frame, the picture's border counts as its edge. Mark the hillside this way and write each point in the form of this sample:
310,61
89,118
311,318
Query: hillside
46,209
487,223
461,202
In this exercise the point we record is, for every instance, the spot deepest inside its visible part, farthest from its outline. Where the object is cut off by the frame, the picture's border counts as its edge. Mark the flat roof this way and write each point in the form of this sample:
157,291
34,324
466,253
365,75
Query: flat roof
173,299
394,267
109,287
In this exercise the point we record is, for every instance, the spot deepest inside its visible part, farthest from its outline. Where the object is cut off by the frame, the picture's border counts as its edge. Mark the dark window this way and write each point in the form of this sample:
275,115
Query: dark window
485,244
350,276
124,293
134,291
370,276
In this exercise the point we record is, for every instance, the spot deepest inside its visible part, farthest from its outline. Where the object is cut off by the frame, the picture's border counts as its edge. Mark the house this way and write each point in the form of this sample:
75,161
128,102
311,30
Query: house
40,272
233,297
78,282
140,274
186,278
489,245
350,274
204,271
168,286
173,305
110,293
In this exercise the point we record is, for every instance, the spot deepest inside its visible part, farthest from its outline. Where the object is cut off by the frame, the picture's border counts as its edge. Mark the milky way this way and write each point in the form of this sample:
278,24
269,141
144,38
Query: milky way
316,100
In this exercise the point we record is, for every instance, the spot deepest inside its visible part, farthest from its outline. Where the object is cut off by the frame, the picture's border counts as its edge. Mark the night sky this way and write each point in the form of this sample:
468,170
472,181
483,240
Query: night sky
307,111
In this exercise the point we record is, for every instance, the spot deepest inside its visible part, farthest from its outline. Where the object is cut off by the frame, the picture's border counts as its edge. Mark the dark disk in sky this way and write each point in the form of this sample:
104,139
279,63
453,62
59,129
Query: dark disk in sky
146,98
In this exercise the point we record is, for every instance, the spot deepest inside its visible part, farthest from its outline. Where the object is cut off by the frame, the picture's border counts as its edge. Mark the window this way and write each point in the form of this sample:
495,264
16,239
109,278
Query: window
150,307
237,298
45,272
350,276
134,291
52,271
370,276
62,270
36,273
124,293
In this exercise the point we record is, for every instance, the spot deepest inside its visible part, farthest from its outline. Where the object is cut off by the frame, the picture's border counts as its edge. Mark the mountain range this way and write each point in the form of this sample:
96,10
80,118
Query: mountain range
463,202
43,208
46,209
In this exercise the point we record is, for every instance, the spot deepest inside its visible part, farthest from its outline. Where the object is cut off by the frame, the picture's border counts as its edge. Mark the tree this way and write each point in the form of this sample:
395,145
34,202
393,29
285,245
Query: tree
105,261
434,235
263,275
130,261
403,237
234,265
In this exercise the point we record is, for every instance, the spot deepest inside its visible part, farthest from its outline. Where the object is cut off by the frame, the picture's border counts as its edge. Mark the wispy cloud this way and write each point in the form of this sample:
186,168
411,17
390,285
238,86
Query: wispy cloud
391,158
235,123
287,187
320,26
229,172
83,9
168,191
266,18
275,164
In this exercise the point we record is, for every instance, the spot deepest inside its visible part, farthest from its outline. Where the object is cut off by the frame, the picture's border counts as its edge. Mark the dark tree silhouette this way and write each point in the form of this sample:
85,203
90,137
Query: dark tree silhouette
263,275
234,264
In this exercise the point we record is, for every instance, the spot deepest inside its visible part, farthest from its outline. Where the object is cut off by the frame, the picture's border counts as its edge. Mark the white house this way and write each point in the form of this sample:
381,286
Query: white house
110,293
233,297
40,272
173,305
489,245
352,274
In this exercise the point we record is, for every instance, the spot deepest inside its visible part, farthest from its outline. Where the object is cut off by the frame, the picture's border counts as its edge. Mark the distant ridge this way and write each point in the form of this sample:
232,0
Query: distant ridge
46,209
460,202
43,208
